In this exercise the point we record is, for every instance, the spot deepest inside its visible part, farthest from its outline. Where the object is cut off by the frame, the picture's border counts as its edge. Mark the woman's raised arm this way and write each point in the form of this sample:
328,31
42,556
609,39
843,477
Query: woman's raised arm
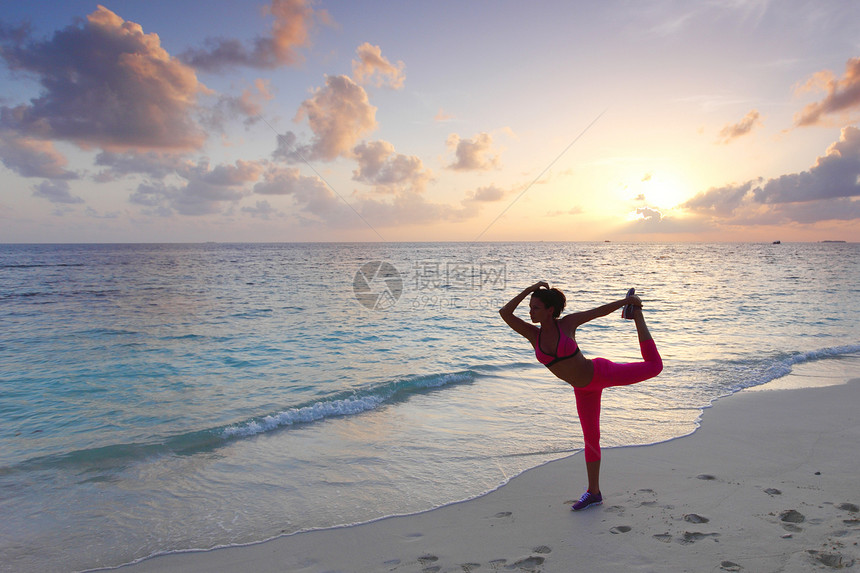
516,323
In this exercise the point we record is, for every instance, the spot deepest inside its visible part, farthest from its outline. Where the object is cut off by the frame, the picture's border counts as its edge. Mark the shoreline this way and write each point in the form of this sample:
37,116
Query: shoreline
776,491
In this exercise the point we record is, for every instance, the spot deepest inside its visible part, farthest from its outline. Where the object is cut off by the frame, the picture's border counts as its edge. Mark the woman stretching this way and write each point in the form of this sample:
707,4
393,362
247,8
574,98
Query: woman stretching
555,347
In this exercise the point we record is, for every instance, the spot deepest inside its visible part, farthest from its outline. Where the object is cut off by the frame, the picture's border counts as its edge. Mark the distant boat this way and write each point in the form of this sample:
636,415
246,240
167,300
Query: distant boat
777,242
832,241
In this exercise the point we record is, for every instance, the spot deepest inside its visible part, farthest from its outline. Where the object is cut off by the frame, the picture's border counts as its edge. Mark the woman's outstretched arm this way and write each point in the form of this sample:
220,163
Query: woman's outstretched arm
571,321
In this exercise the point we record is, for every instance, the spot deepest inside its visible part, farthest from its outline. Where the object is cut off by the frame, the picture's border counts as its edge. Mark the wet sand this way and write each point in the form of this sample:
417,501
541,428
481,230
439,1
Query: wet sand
769,482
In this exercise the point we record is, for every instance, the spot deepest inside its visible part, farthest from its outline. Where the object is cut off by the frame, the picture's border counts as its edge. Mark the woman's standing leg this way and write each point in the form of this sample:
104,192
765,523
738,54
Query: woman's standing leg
608,374
588,409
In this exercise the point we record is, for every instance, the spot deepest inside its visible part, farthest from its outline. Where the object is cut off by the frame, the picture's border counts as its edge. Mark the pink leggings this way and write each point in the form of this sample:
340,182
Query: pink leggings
608,374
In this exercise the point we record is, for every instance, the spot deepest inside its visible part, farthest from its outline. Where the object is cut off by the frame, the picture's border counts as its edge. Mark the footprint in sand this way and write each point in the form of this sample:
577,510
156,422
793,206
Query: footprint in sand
730,566
503,514
832,560
425,562
531,563
469,567
694,536
646,493
772,491
542,549
664,537
620,529
792,516
848,507
706,477
695,518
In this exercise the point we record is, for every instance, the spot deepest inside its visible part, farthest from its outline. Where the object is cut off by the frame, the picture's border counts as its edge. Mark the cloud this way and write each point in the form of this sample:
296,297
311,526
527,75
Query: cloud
262,210
310,193
442,115
230,175
404,203
193,199
339,114
371,63
473,154
833,175
199,197
647,213
827,191
842,209
204,192
487,194
380,165
105,83
32,157
720,201
732,131
293,20
671,26
412,208
56,192
155,164
651,223
843,94
576,210
248,105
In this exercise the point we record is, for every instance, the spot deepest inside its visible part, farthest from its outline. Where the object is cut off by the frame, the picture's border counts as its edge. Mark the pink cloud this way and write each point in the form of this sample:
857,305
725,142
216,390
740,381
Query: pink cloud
32,157
843,94
105,83
293,20
474,154
487,194
732,131
371,63
442,115
339,114
379,164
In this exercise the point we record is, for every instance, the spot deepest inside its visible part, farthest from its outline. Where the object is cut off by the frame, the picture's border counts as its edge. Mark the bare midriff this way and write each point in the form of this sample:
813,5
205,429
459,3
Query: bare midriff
576,370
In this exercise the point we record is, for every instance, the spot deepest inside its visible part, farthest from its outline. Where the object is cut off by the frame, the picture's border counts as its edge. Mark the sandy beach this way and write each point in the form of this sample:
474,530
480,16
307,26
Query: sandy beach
767,483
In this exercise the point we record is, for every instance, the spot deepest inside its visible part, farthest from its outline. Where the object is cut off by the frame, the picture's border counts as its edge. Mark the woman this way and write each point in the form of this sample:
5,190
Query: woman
556,347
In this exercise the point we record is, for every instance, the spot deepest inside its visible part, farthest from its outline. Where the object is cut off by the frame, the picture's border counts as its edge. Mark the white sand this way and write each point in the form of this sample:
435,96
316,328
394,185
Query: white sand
770,482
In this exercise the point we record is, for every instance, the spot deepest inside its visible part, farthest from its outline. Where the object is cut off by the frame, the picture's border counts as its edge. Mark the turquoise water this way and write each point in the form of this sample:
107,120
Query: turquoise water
167,397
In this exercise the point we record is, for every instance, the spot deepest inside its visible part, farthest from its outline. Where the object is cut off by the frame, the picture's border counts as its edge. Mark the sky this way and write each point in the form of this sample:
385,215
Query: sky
557,120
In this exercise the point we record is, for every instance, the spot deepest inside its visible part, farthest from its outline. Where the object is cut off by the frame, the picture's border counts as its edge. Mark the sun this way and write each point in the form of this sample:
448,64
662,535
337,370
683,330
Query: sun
663,190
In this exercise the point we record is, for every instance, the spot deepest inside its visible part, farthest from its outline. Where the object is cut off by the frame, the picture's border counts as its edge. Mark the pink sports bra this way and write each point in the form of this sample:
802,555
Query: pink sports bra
566,348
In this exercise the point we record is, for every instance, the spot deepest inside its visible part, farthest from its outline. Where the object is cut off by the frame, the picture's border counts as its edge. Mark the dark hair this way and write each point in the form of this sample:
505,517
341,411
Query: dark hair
551,297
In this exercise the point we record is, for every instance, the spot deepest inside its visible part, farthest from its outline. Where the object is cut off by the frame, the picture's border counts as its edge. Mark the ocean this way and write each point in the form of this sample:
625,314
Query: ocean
169,397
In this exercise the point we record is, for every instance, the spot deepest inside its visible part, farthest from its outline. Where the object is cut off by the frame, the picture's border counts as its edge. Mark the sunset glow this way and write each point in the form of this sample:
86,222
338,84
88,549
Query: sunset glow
301,120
